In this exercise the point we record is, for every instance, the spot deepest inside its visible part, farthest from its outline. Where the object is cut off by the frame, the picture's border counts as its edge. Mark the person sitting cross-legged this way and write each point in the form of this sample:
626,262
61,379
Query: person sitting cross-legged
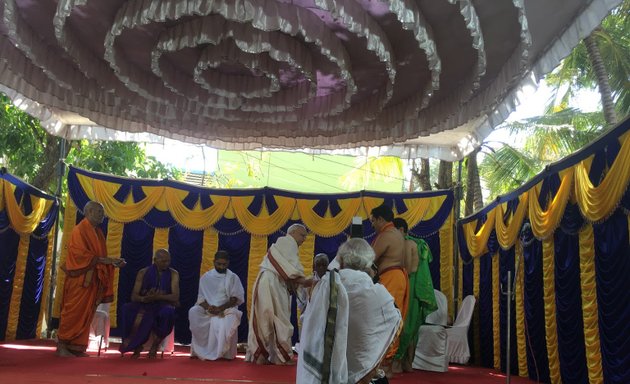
214,320
151,312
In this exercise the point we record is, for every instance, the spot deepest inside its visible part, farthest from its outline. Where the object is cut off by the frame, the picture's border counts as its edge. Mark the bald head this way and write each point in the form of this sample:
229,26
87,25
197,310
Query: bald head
94,212
162,259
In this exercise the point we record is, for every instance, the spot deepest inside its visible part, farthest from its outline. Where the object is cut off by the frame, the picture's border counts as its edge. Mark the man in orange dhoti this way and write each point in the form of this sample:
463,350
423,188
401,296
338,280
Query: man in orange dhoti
389,247
89,282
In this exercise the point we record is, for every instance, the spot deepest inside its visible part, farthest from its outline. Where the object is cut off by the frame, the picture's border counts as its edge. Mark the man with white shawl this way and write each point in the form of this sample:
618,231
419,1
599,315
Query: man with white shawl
349,323
214,319
270,328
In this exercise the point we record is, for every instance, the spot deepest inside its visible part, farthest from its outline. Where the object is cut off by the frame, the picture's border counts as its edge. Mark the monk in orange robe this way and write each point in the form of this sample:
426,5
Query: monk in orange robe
89,282
389,247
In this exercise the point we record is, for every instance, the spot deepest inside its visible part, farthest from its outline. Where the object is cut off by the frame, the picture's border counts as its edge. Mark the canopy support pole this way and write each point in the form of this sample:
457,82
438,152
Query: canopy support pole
61,171
458,193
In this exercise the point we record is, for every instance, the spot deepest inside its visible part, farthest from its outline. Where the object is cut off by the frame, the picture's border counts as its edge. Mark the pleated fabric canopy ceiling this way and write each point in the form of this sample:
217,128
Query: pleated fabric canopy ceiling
411,77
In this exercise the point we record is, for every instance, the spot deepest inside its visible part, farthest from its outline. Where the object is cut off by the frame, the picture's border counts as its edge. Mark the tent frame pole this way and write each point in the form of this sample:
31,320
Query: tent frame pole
61,171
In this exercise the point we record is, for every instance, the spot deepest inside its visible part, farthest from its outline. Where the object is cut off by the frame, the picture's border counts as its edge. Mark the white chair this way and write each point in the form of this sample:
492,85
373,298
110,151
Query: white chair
432,339
99,329
458,349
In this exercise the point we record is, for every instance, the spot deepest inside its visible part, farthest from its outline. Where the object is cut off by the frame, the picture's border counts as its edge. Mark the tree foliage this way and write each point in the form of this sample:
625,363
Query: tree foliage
32,154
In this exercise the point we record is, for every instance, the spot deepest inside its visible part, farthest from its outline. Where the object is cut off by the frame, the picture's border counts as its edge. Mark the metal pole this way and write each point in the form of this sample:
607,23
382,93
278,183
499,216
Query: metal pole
457,208
53,275
509,330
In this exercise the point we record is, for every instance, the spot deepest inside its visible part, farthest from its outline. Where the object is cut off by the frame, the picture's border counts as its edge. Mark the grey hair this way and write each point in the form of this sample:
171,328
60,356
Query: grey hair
356,254
294,227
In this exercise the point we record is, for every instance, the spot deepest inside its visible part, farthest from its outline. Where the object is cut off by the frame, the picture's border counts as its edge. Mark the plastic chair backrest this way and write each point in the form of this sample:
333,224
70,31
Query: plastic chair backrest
465,312
440,316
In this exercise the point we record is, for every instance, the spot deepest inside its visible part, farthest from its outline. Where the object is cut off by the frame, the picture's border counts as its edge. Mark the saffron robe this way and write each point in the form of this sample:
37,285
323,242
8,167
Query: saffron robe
87,284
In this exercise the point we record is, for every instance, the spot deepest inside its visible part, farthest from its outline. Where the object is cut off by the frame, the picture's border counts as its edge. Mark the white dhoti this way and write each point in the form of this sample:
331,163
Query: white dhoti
215,336
270,327
365,325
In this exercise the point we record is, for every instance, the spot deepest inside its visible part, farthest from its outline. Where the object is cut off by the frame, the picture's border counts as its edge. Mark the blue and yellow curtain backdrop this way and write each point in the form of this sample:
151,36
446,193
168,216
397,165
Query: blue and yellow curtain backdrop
565,234
193,223
27,230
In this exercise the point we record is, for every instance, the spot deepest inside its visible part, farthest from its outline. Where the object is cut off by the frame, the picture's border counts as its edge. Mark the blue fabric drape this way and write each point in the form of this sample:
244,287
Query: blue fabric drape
570,325
236,242
537,361
32,292
485,311
506,263
9,242
613,284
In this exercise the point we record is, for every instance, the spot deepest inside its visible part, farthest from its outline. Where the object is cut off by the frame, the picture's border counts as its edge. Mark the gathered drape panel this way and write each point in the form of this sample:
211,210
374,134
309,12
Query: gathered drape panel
571,350
28,218
612,270
486,332
537,361
194,222
571,222
506,263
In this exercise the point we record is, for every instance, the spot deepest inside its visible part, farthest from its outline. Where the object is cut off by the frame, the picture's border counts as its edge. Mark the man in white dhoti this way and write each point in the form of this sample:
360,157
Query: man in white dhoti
349,323
270,328
214,319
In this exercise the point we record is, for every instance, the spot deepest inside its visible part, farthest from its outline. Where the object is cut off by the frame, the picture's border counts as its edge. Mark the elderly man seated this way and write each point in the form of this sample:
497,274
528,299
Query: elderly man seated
151,313
214,320
349,323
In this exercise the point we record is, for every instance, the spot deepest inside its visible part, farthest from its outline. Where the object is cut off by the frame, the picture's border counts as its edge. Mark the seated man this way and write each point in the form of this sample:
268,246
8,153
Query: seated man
214,320
364,318
151,312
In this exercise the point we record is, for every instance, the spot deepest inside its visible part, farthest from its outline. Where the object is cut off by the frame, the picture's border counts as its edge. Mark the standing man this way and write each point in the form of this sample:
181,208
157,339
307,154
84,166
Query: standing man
89,281
270,328
151,311
214,320
421,295
389,247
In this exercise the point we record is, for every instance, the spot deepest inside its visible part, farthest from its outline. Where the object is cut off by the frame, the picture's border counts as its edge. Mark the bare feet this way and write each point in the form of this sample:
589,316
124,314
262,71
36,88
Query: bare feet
289,362
152,352
62,351
136,352
396,366
262,361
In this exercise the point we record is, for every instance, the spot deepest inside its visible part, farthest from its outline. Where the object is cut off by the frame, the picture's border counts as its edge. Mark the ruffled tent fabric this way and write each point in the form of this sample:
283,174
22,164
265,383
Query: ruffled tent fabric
565,234
28,219
193,223
326,75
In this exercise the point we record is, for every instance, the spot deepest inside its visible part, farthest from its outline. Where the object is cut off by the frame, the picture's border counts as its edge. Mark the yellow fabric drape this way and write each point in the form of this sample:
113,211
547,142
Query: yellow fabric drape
18,288
68,224
43,312
195,219
508,233
209,249
496,318
328,226
417,209
446,262
544,223
369,203
306,252
160,239
21,223
521,346
589,305
597,203
478,241
476,323
257,251
113,243
549,298
127,212
264,224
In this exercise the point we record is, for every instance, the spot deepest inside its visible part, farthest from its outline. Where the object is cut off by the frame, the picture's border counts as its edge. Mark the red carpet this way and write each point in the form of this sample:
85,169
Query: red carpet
34,361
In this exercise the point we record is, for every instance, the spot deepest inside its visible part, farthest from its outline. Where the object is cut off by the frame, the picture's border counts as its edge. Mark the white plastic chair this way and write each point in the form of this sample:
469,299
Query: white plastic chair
432,339
458,349
99,329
